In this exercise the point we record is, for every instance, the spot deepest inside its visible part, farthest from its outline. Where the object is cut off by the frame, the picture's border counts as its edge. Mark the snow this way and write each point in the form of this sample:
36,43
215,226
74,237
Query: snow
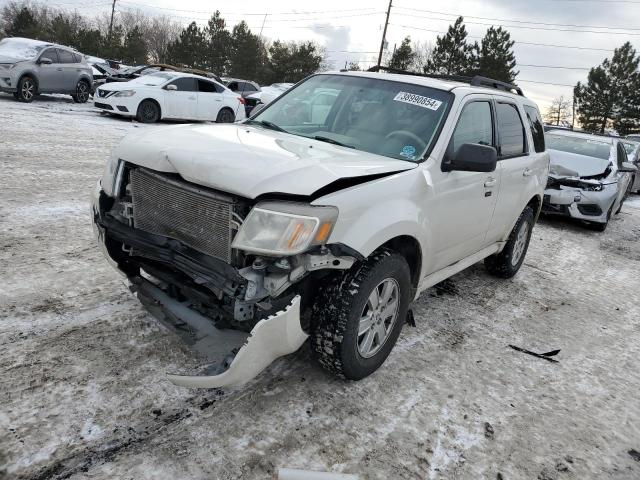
20,48
84,392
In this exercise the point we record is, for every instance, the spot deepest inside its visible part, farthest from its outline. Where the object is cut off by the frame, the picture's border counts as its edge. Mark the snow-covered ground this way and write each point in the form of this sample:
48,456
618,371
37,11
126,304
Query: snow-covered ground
83,393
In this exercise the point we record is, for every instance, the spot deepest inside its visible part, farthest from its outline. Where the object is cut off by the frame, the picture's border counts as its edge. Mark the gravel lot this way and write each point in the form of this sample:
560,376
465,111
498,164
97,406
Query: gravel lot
83,393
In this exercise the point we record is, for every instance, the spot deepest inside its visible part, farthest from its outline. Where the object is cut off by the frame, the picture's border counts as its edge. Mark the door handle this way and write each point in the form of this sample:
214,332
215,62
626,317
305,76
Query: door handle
192,98
59,69
490,182
527,172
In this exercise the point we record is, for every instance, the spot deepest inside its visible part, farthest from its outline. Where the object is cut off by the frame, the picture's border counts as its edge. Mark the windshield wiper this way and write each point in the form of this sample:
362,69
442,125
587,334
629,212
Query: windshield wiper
269,125
331,140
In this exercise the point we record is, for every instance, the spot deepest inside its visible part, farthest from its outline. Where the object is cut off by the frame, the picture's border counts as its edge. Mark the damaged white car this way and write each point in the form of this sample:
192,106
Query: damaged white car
248,239
589,177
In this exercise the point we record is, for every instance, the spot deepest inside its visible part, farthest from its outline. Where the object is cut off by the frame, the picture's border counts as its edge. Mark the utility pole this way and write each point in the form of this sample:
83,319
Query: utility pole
113,11
384,33
263,20
573,113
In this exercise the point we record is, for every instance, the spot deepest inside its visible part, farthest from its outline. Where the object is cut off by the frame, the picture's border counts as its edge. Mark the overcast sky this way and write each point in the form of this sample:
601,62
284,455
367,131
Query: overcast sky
352,30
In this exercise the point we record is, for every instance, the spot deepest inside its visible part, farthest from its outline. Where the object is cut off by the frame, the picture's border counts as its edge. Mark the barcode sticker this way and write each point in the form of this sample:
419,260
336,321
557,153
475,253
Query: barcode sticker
418,100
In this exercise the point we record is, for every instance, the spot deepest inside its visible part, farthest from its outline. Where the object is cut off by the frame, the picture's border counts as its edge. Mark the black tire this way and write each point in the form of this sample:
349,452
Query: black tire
225,116
148,112
83,92
337,312
507,263
27,89
16,96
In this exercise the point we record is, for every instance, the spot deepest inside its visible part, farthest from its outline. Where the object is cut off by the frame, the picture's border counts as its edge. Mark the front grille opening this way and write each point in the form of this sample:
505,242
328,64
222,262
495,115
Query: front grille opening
181,211
589,209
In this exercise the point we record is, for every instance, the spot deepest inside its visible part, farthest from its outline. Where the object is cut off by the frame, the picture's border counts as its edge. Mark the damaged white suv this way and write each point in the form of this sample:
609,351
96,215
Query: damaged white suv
324,215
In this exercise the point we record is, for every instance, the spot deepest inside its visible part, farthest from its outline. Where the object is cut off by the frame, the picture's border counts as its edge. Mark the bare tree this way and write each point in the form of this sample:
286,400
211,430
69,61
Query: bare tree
559,111
422,53
159,33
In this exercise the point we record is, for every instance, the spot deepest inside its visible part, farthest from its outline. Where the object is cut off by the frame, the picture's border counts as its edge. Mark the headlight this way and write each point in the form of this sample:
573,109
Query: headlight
281,228
125,93
112,176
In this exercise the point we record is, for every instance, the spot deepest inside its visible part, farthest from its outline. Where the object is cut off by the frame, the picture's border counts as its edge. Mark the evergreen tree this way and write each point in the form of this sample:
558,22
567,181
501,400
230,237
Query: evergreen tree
354,67
452,54
112,46
494,57
291,62
248,54
610,94
402,57
218,45
25,24
134,50
189,48
90,42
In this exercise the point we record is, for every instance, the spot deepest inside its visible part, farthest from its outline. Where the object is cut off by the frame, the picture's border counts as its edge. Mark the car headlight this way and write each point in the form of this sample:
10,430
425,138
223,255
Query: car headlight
125,93
282,228
112,176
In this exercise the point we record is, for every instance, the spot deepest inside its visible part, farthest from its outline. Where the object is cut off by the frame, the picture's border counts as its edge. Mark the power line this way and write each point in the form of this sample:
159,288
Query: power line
552,66
516,41
514,21
525,27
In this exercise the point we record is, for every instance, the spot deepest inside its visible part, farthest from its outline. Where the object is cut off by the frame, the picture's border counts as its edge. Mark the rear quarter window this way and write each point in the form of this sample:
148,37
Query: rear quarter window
510,130
536,126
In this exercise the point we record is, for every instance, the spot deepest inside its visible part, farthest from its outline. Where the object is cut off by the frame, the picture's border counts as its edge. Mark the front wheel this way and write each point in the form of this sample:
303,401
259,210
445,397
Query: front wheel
358,317
148,112
507,263
83,91
26,89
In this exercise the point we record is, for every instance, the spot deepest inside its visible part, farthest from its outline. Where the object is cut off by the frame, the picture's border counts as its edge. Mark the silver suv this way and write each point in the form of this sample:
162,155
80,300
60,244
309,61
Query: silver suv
29,67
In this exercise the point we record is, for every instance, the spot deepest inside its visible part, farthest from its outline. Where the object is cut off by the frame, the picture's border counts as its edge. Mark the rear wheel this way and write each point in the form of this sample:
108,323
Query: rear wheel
358,317
26,89
148,112
83,90
507,263
225,116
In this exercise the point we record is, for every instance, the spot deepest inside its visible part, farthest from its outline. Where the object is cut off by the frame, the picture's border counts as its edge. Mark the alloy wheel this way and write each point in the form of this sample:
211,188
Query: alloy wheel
378,317
520,244
82,92
28,89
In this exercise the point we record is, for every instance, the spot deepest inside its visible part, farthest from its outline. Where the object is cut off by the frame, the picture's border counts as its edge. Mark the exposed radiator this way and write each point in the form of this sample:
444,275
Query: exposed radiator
181,211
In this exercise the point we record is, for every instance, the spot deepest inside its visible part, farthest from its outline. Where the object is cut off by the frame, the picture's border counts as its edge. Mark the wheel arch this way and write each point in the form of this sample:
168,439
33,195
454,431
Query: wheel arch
31,75
536,205
228,108
409,247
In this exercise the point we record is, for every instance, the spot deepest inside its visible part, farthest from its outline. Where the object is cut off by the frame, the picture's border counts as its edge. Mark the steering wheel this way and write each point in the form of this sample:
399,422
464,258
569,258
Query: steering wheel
407,133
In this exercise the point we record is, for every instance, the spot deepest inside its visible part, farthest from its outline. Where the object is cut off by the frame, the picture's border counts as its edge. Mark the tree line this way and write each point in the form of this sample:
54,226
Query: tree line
139,39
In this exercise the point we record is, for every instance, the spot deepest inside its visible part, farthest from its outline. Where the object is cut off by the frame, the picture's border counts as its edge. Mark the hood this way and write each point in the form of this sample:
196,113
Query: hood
576,165
250,161
10,59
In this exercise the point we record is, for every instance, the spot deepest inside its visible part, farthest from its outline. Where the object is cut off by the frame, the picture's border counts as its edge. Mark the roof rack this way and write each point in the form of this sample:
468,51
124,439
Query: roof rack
475,81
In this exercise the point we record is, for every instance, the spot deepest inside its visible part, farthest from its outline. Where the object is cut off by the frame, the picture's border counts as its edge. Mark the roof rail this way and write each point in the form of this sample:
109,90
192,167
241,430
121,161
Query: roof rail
476,81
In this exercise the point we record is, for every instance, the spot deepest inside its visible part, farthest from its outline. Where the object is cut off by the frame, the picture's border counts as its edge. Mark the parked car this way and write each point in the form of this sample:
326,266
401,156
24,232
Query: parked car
635,137
243,87
633,153
588,177
266,95
30,67
171,95
276,230
130,73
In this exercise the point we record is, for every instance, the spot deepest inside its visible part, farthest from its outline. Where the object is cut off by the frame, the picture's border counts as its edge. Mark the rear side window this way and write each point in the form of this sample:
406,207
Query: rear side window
185,84
51,54
248,87
66,57
210,87
622,155
475,125
510,130
536,126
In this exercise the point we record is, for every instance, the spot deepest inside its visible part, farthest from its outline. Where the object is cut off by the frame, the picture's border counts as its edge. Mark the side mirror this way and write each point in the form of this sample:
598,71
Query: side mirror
172,88
257,108
472,157
628,167
45,61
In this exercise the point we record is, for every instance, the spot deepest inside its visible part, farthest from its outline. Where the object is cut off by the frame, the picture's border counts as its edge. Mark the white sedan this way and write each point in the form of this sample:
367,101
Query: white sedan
171,95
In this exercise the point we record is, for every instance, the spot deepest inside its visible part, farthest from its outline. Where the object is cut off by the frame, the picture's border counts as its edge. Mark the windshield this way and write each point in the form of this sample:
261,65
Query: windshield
157,78
579,145
21,48
394,119
629,147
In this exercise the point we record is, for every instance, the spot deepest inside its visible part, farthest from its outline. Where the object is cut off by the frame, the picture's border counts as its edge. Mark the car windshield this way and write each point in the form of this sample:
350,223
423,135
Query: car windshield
156,78
395,119
20,48
629,147
590,147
